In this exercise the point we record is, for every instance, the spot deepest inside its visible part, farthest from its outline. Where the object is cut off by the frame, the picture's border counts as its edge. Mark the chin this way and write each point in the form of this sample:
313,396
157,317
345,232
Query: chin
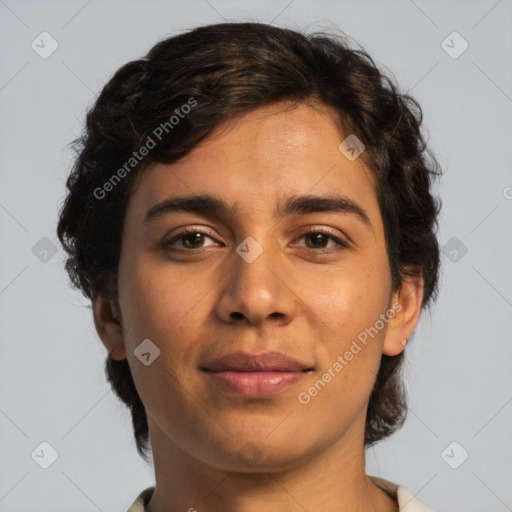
259,454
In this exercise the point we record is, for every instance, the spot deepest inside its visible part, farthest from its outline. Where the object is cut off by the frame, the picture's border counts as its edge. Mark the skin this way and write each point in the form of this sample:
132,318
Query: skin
214,451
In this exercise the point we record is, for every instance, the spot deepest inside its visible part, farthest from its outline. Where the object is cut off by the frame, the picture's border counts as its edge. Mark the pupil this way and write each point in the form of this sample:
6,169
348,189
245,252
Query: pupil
315,238
190,236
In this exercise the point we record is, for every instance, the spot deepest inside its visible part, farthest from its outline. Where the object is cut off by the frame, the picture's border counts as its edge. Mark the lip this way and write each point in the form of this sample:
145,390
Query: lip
255,375
245,362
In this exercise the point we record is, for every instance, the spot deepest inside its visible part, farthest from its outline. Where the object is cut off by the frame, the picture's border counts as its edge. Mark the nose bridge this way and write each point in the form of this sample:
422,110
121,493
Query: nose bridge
252,266
255,288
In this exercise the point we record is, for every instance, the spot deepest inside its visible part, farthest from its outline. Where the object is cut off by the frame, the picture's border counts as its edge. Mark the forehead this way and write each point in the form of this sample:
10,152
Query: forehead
256,161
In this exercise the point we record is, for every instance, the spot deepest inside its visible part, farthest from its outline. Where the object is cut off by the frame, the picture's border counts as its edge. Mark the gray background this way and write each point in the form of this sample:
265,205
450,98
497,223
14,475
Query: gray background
458,364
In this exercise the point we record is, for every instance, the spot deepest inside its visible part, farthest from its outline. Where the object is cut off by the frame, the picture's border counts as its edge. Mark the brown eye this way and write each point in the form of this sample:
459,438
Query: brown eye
189,239
319,239
192,240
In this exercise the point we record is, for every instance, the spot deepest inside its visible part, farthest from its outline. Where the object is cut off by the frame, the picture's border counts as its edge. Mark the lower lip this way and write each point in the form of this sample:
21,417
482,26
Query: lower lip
256,384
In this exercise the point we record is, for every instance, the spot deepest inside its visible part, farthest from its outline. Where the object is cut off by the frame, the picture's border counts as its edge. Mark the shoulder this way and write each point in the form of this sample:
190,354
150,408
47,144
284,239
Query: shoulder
142,500
406,501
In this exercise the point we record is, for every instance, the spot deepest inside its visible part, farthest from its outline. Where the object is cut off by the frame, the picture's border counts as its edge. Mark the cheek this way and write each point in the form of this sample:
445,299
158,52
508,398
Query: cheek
348,300
156,297
165,304
159,304
350,355
349,306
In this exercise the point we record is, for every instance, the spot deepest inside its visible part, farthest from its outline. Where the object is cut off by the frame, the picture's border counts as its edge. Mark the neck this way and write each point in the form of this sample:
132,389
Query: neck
331,480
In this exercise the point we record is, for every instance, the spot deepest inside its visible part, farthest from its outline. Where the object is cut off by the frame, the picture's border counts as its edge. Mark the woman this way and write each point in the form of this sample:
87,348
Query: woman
250,213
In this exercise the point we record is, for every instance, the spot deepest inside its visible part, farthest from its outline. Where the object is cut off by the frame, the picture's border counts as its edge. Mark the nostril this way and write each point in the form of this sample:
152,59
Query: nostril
236,315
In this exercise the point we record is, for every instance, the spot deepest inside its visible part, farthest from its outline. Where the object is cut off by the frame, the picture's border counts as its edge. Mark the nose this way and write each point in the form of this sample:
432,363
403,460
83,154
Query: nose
258,291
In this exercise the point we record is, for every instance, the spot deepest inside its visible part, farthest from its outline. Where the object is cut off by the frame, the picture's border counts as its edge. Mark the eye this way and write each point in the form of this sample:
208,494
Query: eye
318,238
190,238
193,238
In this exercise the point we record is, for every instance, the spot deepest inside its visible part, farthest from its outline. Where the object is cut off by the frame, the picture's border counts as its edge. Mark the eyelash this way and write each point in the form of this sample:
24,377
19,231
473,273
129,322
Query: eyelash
312,231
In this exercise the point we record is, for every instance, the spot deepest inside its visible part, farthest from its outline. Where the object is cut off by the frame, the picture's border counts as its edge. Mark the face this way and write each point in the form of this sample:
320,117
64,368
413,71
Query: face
254,295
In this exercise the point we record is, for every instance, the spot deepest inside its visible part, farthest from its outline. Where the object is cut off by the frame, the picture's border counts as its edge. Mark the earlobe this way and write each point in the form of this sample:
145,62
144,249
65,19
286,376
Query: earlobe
400,328
108,327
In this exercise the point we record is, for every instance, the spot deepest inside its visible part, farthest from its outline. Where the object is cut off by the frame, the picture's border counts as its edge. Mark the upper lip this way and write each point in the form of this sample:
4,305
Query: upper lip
246,362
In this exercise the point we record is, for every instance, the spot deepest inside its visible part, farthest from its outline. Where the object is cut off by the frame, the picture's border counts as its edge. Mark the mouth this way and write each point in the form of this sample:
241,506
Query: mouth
255,375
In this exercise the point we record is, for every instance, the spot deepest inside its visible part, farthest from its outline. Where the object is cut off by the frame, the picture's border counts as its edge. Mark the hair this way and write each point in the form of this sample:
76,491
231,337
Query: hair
230,69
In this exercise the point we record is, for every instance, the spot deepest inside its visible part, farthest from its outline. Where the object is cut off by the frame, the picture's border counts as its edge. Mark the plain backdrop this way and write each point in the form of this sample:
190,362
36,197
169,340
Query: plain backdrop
454,452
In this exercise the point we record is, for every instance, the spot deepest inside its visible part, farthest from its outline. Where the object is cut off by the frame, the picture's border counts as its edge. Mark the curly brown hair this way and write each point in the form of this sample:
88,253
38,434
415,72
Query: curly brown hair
231,69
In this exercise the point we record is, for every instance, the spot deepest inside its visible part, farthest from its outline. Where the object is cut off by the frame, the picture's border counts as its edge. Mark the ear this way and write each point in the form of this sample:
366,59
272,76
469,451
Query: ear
108,327
406,302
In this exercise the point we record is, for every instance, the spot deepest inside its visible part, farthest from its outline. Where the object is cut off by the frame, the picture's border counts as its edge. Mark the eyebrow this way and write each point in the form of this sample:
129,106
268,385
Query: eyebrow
208,205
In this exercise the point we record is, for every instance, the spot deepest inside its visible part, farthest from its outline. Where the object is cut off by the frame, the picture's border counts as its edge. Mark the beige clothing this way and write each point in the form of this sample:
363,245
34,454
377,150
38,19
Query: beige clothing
406,501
